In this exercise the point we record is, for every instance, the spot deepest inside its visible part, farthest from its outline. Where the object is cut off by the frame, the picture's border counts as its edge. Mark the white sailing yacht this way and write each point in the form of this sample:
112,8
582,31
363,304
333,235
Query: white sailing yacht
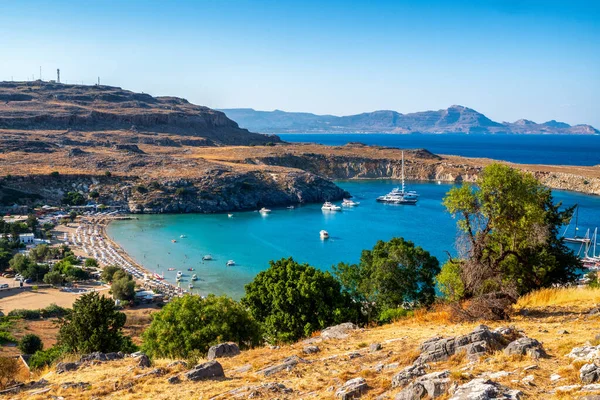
576,239
400,195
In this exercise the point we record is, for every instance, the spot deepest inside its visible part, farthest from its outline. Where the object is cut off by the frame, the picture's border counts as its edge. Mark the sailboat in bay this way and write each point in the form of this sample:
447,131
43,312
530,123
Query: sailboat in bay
400,196
576,238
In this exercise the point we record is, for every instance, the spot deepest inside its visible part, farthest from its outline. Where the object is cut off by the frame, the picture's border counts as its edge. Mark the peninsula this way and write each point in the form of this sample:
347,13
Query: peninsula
165,155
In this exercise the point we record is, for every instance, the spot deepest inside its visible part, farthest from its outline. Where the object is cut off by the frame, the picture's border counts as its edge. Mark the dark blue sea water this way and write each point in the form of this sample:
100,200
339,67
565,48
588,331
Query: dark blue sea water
252,240
524,149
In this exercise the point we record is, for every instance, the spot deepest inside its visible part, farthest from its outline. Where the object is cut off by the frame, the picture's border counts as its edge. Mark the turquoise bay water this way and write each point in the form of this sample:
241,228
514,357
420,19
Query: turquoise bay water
252,240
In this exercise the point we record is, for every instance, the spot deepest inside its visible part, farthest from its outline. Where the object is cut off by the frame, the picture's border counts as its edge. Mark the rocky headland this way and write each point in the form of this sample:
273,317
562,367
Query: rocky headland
162,154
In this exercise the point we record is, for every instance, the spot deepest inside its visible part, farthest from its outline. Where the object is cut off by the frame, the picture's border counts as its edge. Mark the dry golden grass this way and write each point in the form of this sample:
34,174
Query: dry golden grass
333,365
572,296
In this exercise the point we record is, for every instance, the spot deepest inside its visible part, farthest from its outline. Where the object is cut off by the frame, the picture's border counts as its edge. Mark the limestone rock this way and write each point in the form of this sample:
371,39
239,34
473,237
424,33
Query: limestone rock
525,346
475,344
62,367
143,361
433,385
311,349
340,331
405,376
482,389
177,363
352,389
287,364
585,353
173,379
375,347
207,370
223,350
589,373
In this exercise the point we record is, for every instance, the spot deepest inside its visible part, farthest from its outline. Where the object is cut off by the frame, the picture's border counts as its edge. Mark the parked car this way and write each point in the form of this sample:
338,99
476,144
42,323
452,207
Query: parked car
18,278
4,286
28,280
9,276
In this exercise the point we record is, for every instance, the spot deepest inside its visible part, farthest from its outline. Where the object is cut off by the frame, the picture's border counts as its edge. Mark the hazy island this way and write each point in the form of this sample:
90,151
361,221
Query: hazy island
454,119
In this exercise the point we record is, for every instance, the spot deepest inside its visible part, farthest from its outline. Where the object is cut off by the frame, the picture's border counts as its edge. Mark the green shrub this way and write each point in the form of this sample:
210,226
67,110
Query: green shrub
393,314
30,344
6,337
43,358
141,189
191,323
449,282
54,174
293,300
53,311
25,314
108,174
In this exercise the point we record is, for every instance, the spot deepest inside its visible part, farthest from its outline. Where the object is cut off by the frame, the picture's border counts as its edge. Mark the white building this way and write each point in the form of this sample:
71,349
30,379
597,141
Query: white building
27,238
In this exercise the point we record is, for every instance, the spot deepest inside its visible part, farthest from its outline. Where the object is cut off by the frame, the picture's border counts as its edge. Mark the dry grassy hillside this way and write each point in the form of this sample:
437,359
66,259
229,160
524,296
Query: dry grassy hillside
560,319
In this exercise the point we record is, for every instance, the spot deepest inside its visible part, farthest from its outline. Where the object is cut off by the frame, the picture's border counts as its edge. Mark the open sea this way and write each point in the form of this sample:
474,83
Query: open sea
524,149
251,240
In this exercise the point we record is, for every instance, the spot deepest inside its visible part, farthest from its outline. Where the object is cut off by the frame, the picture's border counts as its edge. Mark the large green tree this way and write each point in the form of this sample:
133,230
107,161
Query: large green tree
94,324
192,323
394,274
123,287
508,242
292,300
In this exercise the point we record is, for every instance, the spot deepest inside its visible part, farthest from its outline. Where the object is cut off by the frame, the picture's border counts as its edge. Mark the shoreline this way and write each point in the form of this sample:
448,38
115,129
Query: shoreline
95,227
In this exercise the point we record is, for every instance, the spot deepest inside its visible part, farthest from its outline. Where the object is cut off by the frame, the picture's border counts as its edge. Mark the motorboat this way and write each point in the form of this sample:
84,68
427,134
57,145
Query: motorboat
179,273
171,269
290,207
173,241
178,278
194,277
230,263
349,203
182,236
191,285
324,234
327,206
264,210
190,269
229,215
207,257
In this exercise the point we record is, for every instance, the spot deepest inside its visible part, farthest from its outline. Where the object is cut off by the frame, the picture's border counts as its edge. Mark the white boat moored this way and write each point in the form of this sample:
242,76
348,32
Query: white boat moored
324,234
230,263
349,203
327,206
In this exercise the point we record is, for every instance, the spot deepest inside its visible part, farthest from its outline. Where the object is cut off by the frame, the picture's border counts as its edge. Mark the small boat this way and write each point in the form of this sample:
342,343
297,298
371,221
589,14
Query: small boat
194,277
230,263
327,206
157,276
191,285
178,278
190,269
171,269
179,273
207,257
230,215
576,238
264,210
173,241
182,236
349,203
324,234
290,207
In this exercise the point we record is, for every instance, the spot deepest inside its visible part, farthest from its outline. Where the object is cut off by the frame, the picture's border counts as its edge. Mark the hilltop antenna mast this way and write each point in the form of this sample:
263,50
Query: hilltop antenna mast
98,81
40,72
58,75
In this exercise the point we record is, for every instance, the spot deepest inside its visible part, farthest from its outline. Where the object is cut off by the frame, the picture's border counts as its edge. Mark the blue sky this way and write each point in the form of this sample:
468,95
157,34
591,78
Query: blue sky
508,59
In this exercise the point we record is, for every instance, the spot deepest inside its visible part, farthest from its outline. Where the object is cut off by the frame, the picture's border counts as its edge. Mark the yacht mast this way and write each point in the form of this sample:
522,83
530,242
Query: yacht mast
402,171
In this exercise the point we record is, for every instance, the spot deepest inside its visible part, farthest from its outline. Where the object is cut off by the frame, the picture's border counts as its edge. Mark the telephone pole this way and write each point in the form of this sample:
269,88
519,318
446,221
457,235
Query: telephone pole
58,75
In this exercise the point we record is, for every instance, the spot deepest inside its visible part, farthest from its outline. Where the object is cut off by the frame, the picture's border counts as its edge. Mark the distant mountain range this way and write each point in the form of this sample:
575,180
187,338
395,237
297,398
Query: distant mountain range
455,119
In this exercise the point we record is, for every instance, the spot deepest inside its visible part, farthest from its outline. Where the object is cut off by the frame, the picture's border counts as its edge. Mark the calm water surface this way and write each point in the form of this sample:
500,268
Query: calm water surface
252,240
524,149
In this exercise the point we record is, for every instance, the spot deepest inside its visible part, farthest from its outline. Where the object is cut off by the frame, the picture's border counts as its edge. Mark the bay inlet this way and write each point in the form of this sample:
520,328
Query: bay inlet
252,239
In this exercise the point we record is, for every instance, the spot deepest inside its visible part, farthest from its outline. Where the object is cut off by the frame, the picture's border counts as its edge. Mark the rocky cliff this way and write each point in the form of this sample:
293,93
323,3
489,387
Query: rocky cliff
53,106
